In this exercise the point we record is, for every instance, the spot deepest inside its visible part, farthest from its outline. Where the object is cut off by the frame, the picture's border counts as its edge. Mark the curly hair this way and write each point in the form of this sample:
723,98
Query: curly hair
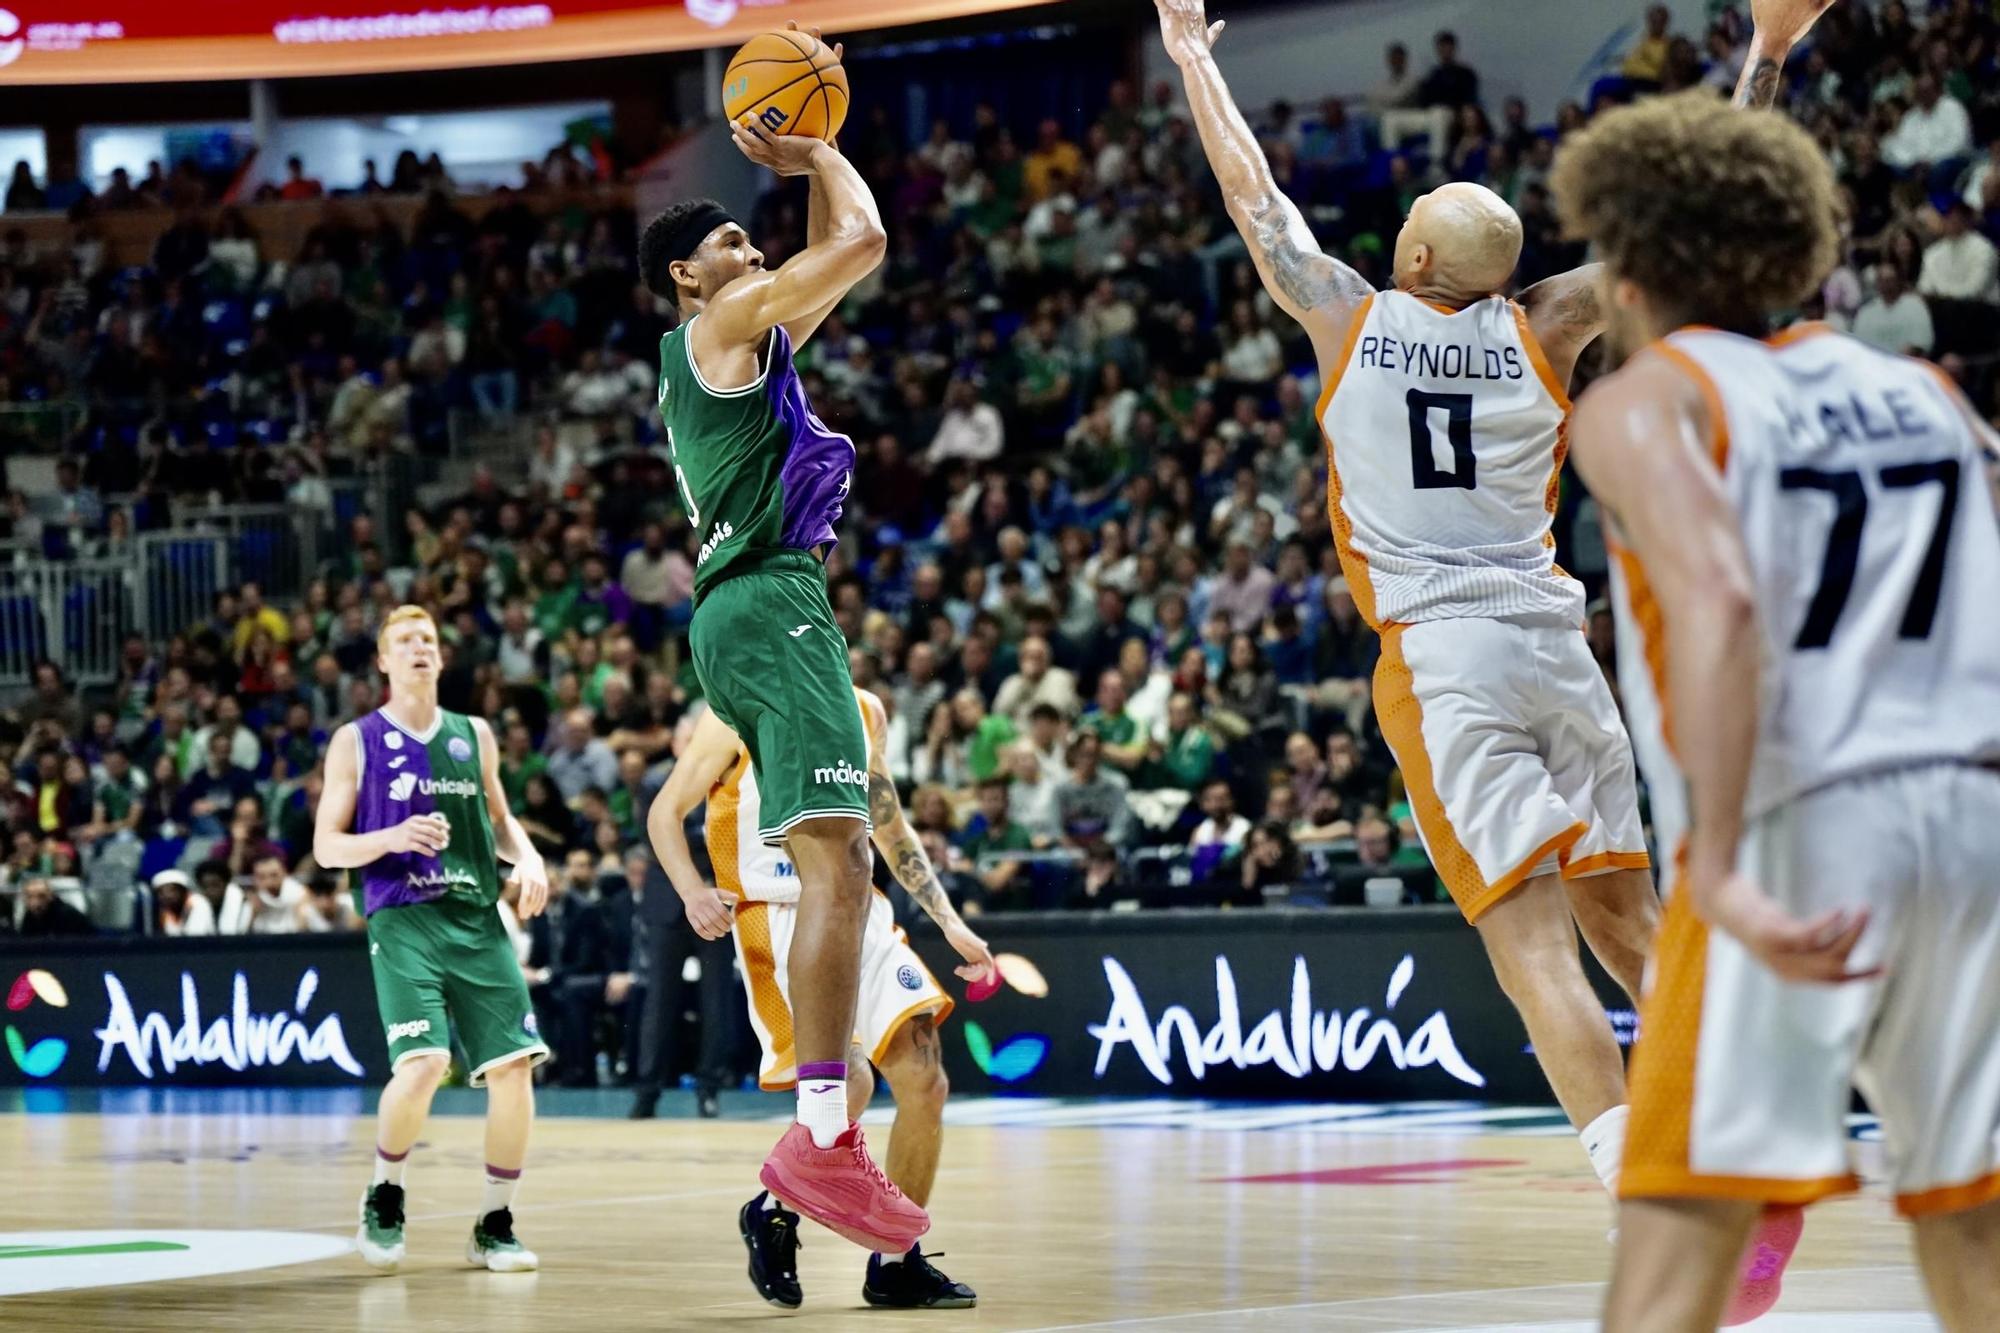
1729,215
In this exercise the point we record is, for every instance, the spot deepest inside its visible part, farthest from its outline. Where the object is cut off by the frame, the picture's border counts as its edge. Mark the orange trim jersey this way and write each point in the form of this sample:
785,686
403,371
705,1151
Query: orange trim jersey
1863,501
1446,433
745,866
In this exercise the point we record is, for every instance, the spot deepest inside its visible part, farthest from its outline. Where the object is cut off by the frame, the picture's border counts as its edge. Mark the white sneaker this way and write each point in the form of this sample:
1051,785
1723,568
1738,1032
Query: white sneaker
494,1248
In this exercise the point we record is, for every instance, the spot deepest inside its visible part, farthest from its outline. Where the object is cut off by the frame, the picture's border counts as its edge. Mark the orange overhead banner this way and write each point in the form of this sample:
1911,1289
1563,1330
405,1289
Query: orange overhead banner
146,41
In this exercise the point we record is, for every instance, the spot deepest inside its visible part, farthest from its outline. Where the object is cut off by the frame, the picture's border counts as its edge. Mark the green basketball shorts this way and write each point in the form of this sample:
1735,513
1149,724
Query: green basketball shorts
773,665
450,962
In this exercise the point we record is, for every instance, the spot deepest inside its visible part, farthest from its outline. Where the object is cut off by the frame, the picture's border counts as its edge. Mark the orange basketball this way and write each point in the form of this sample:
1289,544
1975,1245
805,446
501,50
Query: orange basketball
789,82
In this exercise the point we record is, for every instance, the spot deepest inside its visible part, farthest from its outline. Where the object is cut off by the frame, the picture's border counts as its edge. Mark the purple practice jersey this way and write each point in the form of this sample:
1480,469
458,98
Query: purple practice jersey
401,774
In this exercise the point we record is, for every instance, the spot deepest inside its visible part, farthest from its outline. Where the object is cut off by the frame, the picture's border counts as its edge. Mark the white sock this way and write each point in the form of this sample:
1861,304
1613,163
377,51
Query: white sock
1604,1139
389,1171
823,1108
500,1187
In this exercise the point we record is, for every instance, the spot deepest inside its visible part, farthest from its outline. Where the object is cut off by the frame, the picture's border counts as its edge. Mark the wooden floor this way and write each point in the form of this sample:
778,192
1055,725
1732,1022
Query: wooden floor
1097,1215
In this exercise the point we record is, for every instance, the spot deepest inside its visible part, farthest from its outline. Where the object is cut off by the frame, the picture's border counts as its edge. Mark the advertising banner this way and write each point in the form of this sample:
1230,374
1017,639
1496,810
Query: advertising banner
1334,1005
140,41
259,1012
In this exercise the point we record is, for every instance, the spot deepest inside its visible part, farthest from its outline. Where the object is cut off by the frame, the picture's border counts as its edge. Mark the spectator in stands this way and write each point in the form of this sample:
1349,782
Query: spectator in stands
1897,320
1091,805
992,832
580,759
298,186
1646,63
1270,861
266,902
970,428
1183,759
117,798
23,195
569,962
244,749
1103,883
252,615
1220,835
178,909
1399,87
1934,137
1449,84
326,909
1243,591
1374,843
212,791
52,701
1961,265
1038,682
44,914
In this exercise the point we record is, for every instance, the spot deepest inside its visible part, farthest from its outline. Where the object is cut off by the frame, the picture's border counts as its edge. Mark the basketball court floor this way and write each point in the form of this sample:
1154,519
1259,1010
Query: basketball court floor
198,1211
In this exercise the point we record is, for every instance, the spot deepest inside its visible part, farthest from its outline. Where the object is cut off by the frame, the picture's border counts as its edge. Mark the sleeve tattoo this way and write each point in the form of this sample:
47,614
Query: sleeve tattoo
1758,88
1577,309
905,853
1302,274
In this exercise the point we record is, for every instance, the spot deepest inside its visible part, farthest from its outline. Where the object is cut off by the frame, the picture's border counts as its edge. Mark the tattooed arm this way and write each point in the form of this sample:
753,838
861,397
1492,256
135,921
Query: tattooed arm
904,851
1566,313
1778,26
1314,288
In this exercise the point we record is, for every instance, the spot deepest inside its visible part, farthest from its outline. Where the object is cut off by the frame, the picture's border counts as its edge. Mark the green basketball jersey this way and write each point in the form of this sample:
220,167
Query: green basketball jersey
403,774
757,470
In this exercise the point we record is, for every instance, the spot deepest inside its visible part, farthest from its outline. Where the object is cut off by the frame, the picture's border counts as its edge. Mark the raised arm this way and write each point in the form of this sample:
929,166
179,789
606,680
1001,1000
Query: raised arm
510,840
1566,314
710,750
1777,26
1642,441
904,851
807,287
1314,288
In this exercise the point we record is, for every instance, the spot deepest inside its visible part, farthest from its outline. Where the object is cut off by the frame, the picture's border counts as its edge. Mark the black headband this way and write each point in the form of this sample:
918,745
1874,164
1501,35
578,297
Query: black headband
686,238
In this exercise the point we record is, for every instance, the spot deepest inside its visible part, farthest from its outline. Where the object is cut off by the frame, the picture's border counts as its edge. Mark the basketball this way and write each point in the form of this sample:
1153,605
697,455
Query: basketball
790,82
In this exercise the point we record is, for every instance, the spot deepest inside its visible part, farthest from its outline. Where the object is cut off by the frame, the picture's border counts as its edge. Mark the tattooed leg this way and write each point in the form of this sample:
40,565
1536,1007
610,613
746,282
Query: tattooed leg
914,1066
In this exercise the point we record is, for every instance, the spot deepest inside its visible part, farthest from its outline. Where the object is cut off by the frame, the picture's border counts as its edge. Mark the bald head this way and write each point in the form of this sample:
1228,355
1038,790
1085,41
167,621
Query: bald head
1460,244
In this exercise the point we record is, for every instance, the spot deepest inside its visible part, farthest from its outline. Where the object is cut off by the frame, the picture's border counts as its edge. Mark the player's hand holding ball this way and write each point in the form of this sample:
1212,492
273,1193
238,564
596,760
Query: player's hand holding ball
785,94
711,912
533,877
427,835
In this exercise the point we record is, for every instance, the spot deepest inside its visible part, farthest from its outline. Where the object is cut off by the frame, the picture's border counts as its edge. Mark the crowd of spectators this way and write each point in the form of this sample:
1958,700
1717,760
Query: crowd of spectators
1088,567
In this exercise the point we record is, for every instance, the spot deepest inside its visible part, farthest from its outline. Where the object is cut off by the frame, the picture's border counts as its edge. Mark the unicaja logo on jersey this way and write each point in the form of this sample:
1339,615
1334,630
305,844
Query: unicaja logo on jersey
406,783
723,532
844,774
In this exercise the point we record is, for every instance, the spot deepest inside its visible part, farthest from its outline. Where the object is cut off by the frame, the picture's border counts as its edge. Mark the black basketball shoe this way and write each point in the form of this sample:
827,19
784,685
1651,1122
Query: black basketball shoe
772,1237
914,1284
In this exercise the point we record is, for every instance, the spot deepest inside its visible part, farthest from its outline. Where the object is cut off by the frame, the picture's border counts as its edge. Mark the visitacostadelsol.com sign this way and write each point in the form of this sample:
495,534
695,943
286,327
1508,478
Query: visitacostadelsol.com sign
135,41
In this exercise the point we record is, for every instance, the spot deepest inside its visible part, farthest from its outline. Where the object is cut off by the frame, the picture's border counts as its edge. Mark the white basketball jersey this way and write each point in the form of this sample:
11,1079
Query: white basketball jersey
1875,548
1445,437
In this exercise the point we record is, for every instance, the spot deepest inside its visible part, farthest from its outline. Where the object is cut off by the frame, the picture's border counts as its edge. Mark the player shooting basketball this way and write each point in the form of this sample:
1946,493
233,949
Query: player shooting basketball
764,480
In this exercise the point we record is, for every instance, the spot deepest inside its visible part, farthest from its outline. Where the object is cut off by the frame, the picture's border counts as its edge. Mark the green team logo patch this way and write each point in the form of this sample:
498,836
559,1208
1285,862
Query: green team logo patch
35,1261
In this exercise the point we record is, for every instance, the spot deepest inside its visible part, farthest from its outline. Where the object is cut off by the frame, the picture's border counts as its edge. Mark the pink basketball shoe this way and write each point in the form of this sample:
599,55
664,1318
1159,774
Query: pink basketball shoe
843,1190
1763,1275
